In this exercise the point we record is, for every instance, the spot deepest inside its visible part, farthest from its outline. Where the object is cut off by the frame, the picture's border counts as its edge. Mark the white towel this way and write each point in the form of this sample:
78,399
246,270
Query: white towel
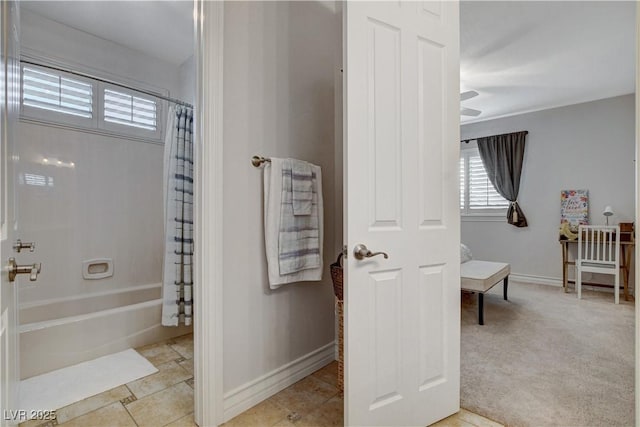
273,182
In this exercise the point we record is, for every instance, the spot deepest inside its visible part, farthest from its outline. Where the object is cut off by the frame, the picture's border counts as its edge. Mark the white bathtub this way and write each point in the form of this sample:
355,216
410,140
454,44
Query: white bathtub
61,333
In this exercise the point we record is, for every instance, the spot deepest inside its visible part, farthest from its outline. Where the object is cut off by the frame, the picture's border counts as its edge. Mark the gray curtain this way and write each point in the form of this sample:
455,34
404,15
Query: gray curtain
502,157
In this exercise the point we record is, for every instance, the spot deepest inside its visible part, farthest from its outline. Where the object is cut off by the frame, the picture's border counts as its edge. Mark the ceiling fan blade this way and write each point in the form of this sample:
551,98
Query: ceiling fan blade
468,95
470,112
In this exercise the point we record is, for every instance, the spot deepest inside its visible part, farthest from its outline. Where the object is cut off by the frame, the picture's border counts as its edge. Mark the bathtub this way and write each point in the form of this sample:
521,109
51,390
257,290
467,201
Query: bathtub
60,333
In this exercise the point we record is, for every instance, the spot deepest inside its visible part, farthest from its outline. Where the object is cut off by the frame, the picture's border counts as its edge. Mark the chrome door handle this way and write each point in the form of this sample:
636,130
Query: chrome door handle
361,252
32,270
18,246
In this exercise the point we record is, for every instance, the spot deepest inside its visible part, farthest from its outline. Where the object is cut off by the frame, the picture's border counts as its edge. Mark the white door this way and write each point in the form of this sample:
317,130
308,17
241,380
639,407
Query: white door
9,107
402,314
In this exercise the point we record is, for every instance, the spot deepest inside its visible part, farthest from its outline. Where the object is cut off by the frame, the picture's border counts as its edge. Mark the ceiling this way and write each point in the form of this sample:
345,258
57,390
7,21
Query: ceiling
527,56
162,29
519,56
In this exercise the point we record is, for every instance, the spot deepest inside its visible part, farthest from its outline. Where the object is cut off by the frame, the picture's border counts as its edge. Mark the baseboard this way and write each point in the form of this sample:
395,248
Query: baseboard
529,278
250,394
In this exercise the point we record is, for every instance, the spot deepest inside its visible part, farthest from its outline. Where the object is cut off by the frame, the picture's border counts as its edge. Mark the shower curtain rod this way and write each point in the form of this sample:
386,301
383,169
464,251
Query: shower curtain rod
111,82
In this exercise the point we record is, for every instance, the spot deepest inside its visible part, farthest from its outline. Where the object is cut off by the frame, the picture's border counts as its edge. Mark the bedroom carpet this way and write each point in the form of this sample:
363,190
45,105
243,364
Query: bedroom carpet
543,358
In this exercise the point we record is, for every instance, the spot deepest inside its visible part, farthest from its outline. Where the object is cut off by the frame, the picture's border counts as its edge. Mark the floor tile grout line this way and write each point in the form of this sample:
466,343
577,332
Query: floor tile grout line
131,391
158,391
93,410
130,414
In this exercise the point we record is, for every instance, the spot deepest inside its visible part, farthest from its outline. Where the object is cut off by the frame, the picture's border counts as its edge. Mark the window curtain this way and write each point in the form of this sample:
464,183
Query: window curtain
502,156
177,278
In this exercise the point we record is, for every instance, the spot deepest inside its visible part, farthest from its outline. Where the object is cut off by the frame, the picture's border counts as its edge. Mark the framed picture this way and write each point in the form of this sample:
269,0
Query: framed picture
574,211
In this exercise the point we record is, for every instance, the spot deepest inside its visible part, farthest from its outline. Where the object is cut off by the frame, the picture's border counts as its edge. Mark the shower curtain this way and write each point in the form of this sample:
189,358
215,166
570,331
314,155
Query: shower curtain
177,282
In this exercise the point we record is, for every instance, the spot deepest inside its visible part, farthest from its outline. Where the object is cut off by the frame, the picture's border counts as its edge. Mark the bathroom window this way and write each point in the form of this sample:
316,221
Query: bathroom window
131,112
60,98
57,96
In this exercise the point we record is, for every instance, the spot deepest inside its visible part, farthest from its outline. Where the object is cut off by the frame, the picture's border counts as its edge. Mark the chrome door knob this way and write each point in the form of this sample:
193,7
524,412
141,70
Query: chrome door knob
361,252
31,269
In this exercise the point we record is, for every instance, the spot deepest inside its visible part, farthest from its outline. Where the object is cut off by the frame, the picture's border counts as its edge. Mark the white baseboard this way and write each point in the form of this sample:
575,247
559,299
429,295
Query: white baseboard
542,280
553,281
250,394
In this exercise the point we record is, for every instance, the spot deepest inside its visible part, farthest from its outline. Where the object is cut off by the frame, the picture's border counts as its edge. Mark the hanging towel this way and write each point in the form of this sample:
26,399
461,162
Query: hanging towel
302,186
289,229
298,241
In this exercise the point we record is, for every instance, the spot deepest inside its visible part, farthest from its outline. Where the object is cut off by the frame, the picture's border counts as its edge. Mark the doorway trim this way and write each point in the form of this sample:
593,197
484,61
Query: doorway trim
208,198
637,216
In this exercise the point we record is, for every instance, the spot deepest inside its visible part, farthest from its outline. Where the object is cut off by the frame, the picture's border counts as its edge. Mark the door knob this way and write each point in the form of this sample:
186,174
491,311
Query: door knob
361,252
31,269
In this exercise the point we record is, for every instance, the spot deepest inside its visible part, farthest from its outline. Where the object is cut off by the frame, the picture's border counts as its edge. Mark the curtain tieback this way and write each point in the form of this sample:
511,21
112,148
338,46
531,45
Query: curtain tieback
514,214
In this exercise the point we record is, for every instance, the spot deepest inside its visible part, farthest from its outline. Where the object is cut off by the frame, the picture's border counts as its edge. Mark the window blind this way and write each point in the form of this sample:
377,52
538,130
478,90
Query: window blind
129,110
477,194
482,194
53,92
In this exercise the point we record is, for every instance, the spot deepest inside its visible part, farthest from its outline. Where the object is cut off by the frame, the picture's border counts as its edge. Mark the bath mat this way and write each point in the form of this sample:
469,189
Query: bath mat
57,389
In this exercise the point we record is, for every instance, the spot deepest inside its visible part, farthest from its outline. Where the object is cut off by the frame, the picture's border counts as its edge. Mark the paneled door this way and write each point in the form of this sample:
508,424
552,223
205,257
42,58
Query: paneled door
9,108
402,228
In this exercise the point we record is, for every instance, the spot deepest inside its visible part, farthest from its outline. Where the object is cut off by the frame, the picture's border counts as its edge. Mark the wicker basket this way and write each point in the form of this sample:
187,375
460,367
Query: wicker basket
336,276
340,314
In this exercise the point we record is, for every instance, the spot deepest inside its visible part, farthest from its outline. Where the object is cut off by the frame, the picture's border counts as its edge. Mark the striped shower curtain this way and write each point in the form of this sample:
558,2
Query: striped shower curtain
177,280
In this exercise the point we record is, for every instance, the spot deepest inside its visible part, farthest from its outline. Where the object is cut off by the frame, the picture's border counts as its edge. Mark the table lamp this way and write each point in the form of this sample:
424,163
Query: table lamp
607,213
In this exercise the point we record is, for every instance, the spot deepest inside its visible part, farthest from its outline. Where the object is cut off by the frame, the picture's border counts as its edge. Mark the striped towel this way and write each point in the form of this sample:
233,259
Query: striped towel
302,186
273,176
298,240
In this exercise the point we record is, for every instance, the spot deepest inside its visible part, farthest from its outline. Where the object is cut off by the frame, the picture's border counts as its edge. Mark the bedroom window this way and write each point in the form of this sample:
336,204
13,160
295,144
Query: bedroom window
478,196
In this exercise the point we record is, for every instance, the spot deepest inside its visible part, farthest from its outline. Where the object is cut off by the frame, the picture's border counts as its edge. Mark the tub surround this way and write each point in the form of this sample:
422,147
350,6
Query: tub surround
66,332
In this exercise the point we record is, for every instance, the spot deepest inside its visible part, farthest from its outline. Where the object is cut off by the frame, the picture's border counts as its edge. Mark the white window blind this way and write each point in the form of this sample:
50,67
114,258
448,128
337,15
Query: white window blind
482,193
129,110
477,193
57,97
54,92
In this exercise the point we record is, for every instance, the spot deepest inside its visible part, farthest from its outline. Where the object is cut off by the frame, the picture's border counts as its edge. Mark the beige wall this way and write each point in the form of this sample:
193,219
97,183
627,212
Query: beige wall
280,67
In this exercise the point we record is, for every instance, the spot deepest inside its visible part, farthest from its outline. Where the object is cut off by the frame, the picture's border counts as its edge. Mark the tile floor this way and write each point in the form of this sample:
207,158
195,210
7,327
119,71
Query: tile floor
161,399
313,401
166,399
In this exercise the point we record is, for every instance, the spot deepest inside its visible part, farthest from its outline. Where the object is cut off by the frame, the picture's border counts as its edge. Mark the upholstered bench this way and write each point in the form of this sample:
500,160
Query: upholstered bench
480,276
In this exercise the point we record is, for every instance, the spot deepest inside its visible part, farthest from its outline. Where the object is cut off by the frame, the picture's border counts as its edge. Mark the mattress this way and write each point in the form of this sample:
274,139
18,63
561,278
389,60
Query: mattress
480,276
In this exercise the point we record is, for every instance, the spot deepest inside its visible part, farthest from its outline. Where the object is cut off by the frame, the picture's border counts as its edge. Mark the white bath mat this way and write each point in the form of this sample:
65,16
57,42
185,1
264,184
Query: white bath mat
65,386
